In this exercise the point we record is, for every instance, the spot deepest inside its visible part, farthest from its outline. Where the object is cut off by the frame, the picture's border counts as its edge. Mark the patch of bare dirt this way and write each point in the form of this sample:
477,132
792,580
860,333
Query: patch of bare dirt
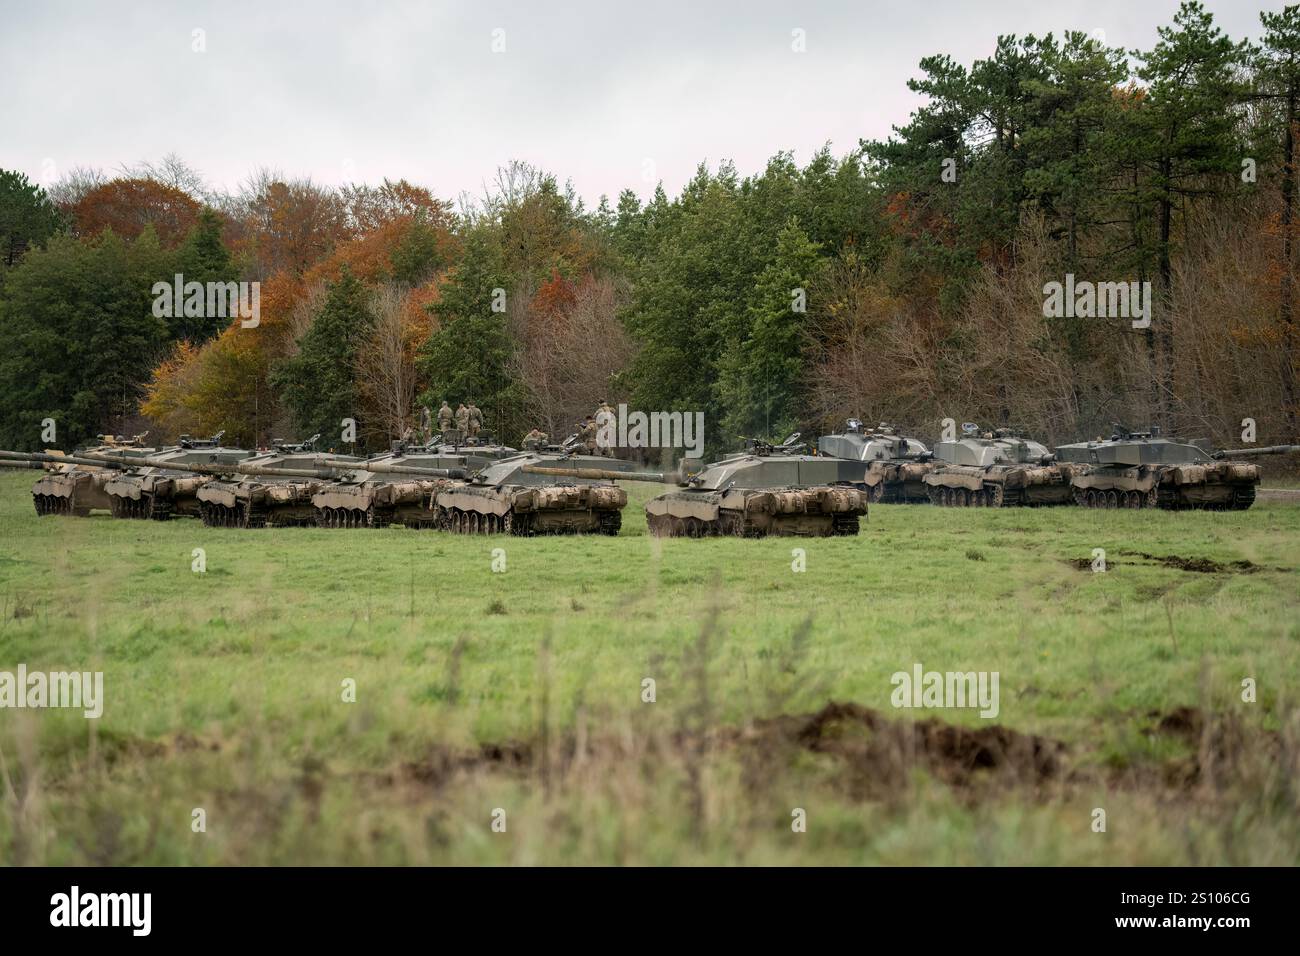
1200,565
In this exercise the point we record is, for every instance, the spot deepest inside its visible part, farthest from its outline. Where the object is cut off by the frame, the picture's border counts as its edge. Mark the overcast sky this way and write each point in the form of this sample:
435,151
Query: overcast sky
607,94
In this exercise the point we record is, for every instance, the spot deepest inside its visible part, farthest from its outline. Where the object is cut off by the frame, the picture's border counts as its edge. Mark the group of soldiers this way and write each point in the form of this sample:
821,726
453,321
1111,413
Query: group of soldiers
466,423
590,428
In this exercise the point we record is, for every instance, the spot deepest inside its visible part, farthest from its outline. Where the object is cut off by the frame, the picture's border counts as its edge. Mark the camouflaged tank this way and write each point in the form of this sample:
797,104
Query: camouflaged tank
517,495
77,489
765,490
392,488
996,469
1144,470
271,488
160,493
895,466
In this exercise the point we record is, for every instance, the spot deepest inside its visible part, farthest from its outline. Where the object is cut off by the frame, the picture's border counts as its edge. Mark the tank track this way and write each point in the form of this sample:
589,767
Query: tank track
52,505
371,517
990,496
733,524
1115,498
523,525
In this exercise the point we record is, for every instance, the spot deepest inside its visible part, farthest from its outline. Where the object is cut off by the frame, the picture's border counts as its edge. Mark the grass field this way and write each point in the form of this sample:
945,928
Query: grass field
522,691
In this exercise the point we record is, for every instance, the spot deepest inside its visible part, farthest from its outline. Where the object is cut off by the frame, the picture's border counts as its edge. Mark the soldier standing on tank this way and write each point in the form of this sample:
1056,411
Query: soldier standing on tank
446,419
426,424
462,422
587,430
606,425
475,419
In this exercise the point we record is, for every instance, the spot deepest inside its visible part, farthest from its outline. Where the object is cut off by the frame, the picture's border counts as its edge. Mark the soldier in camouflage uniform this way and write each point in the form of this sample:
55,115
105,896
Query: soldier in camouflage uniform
587,430
446,419
462,423
606,429
426,425
535,440
475,423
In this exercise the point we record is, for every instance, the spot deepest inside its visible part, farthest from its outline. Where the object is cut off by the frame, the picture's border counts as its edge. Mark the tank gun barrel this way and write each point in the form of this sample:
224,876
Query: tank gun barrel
600,474
198,468
1251,452
389,468
35,458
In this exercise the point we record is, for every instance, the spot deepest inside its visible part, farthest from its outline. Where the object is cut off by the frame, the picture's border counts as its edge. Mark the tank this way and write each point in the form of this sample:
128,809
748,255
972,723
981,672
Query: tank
1144,470
535,493
272,488
160,493
896,466
765,490
996,469
393,488
77,489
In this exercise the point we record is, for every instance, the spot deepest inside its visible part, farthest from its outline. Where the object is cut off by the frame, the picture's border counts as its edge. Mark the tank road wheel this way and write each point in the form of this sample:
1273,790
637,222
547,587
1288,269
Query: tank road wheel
1112,500
1132,499
875,493
508,523
657,525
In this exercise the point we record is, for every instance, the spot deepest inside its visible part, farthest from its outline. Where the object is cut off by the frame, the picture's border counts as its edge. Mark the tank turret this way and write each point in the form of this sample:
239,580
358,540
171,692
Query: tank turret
896,465
995,468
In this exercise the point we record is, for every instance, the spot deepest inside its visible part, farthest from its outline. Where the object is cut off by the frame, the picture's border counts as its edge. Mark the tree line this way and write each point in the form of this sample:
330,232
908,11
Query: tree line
903,281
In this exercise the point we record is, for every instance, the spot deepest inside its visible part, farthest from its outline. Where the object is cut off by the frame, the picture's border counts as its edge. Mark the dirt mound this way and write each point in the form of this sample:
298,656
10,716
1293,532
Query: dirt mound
881,753
1223,747
876,754
1200,565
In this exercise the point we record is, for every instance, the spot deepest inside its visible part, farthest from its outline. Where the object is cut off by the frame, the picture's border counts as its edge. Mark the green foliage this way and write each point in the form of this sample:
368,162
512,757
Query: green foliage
318,385
202,258
79,336
417,256
27,217
469,354
759,374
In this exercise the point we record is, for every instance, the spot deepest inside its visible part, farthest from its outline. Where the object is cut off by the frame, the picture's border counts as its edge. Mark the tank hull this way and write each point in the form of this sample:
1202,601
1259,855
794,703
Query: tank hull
898,482
999,486
75,491
1213,486
377,504
791,512
258,504
529,510
157,497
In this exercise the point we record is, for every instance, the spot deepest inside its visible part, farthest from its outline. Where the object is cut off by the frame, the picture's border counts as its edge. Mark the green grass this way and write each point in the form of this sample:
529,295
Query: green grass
224,689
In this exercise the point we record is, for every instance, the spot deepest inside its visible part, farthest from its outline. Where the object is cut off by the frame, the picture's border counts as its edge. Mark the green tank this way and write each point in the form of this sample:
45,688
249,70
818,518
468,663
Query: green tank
765,490
160,493
1144,470
896,466
995,469
523,495
77,489
272,488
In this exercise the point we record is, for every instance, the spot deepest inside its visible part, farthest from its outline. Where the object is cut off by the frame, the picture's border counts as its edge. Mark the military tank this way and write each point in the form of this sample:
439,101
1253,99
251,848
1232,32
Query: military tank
520,496
896,466
1144,470
270,488
70,488
765,490
159,493
392,488
996,469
